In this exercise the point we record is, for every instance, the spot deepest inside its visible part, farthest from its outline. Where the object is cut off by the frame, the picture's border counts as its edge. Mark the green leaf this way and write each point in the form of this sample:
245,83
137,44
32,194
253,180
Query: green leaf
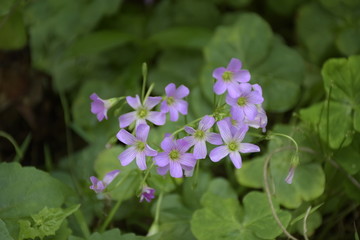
45,223
223,218
96,42
5,7
357,120
12,31
348,40
4,233
349,157
251,174
25,191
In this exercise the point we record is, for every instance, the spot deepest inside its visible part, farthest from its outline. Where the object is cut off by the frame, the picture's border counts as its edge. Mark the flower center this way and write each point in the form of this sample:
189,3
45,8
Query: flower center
227,76
199,134
233,146
170,101
242,101
140,146
142,113
174,155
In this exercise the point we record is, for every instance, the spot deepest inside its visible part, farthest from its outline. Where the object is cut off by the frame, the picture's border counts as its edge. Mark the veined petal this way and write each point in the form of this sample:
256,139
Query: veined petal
234,65
255,97
189,130
183,144
126,119
168,144
218,153
149,151
249,148
245,88
94,97
242,76
175,169
126,137
250,111
162,159
164,107
181,106
142,132
174,114
157,118
218,72
170,90
206,122
127,156
224,129
237,113
200,150
187,159
110,176
93,179
234,89
241,132
230,100
236,159
191,140
182,92
257,88
141,161
214,138
151,102
163,170
134,102
219,87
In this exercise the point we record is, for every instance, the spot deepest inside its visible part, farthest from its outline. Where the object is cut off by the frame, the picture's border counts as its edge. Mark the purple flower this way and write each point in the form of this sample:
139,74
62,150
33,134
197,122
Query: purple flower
147,193
260,120
99,186
142,112
201,135
244,106
173,102
233,144
290,176
100,106
175,157
138,149
230,77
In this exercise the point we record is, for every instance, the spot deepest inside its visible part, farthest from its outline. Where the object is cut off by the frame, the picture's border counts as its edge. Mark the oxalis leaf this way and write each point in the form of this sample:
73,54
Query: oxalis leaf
45,223
224,218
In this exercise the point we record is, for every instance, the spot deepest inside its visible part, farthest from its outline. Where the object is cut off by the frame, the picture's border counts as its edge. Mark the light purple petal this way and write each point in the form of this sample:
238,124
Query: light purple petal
127,156
189,173
174,114
224,129
149,151
126,137
164,107
170,90
189,130
218,153
175,169
134,102
237,113
218,72
245,89
181,92
141,161
151,102
290,176
183,144
94,96
236,159
248,148
162,159
93,179
214,138
242,76
181,106
163,170
234,89
234,65
250,111
142,132
257,88
168,144
110,176
219,87
255,98
200,150
187,159
241,132
206,122
157,118
231,101
126,119
100,116
191,140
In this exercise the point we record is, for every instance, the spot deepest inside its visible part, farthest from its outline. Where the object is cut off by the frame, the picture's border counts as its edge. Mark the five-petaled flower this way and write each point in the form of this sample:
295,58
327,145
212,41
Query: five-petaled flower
99,106
175,157
229,78
142,112
202,135
99,186
138,149
147,194
173,101
233,144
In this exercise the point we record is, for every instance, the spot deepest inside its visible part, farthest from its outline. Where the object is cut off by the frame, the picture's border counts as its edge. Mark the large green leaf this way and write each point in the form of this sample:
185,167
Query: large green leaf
4,233
12,31
278,68
223,218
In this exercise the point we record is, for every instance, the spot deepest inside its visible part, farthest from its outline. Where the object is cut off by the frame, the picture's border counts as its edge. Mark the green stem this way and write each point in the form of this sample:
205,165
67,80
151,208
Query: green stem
288,137
144,72
304,225
181,129
110,216
328,117
195,182
148,92
81,221
19,153
158,205
146,175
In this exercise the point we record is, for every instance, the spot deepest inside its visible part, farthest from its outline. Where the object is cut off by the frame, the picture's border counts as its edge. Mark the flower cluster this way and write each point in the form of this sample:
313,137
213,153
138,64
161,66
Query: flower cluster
225,128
